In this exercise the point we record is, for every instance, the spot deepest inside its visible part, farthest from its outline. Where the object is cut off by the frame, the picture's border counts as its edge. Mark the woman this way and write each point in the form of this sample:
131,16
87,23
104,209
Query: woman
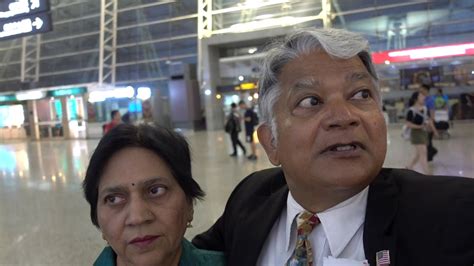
418,120
141,193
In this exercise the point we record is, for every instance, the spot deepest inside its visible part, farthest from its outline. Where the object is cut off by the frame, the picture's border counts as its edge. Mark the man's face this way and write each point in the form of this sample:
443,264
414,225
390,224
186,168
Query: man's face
331,131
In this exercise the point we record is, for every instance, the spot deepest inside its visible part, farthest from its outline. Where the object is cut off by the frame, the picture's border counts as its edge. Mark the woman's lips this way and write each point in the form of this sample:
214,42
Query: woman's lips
142,242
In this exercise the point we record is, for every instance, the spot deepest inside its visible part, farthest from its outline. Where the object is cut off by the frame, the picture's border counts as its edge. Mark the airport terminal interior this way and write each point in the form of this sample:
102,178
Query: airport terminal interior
66,65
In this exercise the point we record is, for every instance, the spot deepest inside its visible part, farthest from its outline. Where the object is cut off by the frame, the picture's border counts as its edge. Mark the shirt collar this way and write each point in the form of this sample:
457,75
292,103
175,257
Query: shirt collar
340,223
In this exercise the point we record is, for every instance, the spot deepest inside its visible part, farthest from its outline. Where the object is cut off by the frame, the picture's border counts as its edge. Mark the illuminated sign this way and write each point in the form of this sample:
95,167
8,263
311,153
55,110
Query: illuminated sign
67,92
7,98
407,55
30,95
117,93
14,28
248,86
14,8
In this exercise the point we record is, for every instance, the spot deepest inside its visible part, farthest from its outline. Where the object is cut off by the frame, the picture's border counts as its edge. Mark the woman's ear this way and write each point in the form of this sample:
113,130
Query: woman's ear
268,142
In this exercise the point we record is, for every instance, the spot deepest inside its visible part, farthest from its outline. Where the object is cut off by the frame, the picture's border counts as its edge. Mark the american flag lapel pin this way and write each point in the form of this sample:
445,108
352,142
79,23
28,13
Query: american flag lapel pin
383,258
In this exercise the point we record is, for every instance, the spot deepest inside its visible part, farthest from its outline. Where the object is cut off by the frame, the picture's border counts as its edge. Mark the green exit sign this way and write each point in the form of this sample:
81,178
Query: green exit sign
67,92
7,98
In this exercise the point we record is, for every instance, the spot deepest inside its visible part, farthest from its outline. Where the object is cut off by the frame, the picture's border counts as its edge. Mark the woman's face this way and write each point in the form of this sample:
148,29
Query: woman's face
421,99
142,211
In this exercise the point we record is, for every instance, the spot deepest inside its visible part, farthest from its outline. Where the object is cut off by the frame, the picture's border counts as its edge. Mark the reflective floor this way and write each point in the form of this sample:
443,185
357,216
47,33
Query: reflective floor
44,219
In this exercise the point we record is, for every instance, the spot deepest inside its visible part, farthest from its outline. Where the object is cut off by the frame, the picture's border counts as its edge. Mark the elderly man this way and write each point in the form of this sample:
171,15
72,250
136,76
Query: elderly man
330,201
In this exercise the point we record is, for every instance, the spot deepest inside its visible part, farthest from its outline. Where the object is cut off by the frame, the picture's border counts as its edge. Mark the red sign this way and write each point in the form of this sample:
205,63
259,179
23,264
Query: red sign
406,55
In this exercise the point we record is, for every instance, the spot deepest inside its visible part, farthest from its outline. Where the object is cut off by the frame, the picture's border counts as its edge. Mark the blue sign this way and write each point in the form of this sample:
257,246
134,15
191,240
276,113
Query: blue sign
17,8
18,27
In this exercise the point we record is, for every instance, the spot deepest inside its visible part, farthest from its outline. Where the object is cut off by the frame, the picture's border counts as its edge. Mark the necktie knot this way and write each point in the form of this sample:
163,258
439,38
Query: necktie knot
306,222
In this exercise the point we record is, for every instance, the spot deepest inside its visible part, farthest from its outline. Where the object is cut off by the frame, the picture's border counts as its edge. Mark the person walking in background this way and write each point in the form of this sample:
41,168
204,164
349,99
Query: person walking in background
431,151
116,119
418,121
250,121
232,127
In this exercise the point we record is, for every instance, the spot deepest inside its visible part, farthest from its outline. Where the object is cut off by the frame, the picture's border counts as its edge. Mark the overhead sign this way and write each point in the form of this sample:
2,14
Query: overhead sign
7,98
14,8
407,55
19,27
67,92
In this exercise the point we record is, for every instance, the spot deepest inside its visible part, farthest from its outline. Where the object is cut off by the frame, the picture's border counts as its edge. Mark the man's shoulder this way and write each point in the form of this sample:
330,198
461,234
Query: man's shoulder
262,182
435,189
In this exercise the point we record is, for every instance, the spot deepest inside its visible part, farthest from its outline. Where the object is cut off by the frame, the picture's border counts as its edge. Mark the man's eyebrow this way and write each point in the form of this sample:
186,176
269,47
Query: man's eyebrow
306,83
356,76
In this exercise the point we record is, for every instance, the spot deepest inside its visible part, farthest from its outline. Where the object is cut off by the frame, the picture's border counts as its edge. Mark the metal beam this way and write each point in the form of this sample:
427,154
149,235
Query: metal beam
181,37
10,63
71,37
55,23
76,70
378,8
69,54
154,60
69,4
144,6
107,41
30,55
158,22
141,80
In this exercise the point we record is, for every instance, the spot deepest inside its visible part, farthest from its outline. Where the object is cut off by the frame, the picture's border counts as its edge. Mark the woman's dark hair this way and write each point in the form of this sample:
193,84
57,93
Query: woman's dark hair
413,99
170,146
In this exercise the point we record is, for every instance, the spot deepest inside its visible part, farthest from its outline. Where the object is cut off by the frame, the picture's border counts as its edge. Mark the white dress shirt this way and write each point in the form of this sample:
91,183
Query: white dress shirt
339,235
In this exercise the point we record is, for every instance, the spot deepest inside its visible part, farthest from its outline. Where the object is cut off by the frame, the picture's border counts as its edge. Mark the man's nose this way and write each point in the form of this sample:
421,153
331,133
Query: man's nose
139,212
339,114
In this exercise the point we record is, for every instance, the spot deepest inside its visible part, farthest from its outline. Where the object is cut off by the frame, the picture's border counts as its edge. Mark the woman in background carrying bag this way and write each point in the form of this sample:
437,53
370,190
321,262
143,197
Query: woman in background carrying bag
418,120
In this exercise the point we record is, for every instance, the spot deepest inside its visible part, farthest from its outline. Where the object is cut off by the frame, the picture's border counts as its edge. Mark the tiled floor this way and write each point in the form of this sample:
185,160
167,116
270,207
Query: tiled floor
44,219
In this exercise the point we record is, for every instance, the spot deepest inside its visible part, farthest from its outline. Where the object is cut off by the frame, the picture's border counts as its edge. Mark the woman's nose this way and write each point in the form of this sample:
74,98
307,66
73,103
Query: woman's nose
139,212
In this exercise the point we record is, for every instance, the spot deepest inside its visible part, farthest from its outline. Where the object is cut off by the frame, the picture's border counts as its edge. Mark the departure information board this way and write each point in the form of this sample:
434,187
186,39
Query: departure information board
24,17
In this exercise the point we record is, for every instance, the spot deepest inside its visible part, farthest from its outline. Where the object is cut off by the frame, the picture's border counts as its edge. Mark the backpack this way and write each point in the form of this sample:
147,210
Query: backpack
255,121
229,125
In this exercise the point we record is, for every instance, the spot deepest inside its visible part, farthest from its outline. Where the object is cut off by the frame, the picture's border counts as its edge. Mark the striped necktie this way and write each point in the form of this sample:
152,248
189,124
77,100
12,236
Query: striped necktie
303,254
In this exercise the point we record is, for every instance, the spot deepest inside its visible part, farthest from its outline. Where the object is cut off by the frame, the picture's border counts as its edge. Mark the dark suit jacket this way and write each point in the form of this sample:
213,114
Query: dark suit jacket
421,220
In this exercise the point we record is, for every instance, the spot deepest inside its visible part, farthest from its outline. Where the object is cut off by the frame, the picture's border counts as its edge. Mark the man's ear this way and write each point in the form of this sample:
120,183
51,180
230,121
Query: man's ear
268,142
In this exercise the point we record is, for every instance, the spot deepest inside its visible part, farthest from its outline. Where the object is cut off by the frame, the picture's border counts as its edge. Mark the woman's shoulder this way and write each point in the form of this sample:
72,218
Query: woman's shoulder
194,256
106,258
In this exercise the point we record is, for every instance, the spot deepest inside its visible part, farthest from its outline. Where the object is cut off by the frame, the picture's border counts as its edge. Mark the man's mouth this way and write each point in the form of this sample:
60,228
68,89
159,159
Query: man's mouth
344,147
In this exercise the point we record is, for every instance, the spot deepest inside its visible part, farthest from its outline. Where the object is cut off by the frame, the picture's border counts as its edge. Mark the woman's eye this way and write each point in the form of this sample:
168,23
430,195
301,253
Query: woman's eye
363,94
308,102
114,200
157,191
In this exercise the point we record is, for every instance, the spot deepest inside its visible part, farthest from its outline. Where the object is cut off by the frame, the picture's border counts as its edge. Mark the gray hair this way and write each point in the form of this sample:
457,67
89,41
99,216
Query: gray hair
335,42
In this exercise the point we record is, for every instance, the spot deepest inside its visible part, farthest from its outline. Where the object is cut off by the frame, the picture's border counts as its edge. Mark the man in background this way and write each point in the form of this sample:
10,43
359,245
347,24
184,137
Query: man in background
116,119
250,121
233,127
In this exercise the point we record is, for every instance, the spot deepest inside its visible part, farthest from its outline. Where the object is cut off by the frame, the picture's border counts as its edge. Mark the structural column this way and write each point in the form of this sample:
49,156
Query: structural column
33,120
65,118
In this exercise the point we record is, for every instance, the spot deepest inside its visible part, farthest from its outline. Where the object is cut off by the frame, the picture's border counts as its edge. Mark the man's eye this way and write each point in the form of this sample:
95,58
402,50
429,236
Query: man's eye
363,94
157,191
308,102
114,199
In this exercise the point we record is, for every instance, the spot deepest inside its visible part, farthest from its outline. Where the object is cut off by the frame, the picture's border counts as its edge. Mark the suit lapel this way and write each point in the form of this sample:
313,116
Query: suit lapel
256,224
379,227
